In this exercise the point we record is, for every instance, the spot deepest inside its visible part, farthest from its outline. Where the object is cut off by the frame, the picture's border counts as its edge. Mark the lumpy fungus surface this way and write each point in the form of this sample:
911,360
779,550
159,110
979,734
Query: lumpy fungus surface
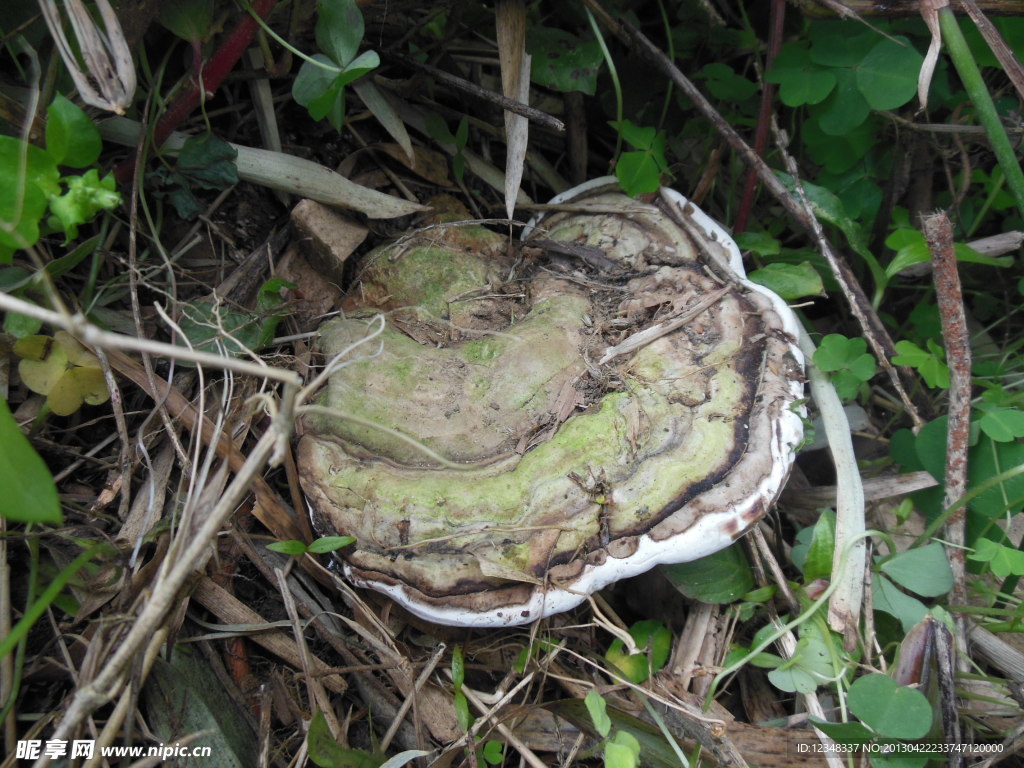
609,394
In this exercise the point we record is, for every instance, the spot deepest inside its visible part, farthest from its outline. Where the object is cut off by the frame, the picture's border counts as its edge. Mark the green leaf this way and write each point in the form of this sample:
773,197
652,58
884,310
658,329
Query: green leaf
179,699
789,281
24,193
818,564
1004,561
890,709
848,362
313,79
462,134
208,161
562,61
638,172
73,258
722,577
723,82
638,137
887,598
78,385
760,243
984,460
840,154
923,570
217,329
493,752
191,20
655,642
844,733
840,43
622,752
809,667
438,130
458,667
87,195
328,753
205,161
800,80
598,712
71,137
932,368
845,109
367,61
888,74
339,29
829,208
911,249
290,547
330,104
326,544
30,495
462,713
43,362
1002,424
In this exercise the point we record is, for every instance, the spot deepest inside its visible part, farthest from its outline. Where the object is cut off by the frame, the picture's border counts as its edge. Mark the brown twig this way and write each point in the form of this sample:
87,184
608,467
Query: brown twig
541,118
1006,57
874,331
938,233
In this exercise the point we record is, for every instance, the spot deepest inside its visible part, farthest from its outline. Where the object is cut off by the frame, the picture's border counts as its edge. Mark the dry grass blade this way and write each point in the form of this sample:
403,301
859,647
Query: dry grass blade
107,80
515,82
930,14
166,590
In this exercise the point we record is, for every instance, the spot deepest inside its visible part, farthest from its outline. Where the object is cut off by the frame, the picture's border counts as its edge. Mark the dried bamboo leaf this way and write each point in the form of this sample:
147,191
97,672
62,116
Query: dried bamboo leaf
515,84
288,173
378,104
108,78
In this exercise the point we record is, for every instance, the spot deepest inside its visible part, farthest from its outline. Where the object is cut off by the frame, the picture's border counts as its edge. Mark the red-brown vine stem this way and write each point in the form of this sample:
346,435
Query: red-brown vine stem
216,70
938,233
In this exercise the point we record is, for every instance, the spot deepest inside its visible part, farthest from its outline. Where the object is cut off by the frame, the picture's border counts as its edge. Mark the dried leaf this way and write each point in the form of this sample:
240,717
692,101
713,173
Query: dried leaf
288,173
930,14
108,81
515,84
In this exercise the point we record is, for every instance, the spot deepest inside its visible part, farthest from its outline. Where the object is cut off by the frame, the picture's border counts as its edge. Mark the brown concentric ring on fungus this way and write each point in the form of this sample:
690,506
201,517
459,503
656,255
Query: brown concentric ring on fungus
608,419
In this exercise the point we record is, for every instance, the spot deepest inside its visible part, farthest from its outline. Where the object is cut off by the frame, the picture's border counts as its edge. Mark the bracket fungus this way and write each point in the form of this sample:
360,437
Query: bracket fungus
609,395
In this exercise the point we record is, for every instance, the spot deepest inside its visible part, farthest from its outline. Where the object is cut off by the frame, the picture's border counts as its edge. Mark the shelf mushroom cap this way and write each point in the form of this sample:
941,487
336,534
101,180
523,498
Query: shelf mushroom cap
613,396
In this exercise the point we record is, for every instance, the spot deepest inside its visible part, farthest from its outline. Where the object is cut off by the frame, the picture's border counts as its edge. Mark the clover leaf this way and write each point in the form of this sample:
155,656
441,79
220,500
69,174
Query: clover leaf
649,634
848,361
320,84
61,368
929,362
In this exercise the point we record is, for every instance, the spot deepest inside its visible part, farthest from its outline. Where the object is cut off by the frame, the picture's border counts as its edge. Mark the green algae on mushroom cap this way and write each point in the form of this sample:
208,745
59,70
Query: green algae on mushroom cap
575,473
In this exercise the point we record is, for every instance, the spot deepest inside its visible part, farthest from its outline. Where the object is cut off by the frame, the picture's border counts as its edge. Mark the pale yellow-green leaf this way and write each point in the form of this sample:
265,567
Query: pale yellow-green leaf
90,383
64,397
76,353
43,363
